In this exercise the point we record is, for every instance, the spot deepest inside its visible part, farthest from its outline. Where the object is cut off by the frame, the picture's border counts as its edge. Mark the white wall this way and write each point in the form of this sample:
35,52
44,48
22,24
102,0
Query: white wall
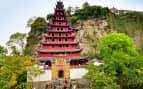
97,63
47,76
77,73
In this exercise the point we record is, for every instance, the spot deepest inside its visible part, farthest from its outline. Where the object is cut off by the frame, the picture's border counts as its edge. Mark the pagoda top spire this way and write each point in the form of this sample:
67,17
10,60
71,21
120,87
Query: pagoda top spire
59,4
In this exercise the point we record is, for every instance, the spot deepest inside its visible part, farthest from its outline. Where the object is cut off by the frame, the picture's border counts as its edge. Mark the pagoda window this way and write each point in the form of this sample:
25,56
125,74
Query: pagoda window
53,39
60,45
59,23
52,34
53,46
61,29
66,34
59,17
66,39
60,40
60,34
67,45
58,29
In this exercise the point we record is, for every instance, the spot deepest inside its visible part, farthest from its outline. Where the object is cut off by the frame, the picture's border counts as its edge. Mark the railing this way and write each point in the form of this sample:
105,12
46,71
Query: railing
60,14
60,25
60,9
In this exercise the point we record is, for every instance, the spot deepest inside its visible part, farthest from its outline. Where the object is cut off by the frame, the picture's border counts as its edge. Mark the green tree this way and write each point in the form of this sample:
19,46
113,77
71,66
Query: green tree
122,65
117,42
69,11
13,72
38,27
15,52
98,78
17,42
3,51
39,24
49,16
30,21
85,5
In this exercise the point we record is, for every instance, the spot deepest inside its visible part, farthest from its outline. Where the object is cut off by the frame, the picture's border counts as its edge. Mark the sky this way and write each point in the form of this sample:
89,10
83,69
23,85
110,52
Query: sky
14,14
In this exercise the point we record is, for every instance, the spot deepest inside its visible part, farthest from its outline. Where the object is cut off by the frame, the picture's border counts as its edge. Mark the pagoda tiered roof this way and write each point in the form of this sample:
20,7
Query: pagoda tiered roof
60,14
59,10
45,43
59,36
51,31
60,39
59,20
59,51
53,25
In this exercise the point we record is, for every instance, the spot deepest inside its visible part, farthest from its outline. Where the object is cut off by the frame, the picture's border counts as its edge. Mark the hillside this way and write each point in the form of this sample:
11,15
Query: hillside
93,22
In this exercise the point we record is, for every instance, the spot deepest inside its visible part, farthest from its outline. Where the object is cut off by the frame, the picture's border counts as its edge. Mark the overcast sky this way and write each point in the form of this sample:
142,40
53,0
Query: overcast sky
14,14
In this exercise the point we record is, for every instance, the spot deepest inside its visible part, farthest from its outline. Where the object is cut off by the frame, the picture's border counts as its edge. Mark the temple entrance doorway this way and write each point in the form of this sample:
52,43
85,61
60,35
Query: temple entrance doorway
61,74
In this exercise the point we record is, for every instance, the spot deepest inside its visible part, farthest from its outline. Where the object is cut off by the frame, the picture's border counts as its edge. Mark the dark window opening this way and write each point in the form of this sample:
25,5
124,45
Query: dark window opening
53,39
66,39
67,45
60,40
58,29
52,34
60,34
60,46
66,34
53,46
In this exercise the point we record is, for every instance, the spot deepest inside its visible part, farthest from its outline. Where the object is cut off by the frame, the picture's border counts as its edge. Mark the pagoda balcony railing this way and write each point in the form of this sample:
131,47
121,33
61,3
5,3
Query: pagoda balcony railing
60,14
59,20
51,31
59,25
45,43
59,36
60,10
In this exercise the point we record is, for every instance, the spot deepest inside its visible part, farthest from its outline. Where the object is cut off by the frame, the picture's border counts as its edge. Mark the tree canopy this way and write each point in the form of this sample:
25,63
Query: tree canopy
122,66
3,51
17,43
13,72
117,42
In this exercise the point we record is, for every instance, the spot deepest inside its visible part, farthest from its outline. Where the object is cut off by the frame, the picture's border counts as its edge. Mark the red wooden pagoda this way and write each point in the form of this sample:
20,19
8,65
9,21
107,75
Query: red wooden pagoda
60,43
